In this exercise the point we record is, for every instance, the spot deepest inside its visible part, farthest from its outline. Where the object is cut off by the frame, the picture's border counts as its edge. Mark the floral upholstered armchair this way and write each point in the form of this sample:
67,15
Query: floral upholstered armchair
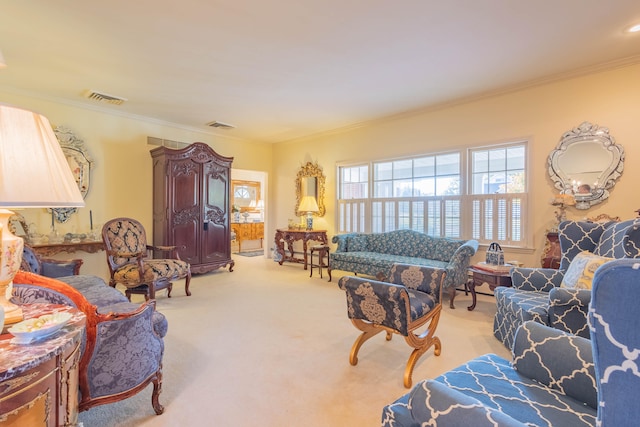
411,299
539,294
132,265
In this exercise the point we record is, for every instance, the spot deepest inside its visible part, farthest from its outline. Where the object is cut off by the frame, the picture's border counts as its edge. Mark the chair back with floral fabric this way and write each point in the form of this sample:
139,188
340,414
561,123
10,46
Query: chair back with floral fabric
130,261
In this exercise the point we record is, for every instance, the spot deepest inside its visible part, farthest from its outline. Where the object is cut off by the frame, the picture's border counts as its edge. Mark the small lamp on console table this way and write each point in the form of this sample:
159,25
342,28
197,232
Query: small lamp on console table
34,173
308,205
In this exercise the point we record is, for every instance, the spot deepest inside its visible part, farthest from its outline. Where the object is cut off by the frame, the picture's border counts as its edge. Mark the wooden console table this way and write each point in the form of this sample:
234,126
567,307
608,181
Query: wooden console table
479,277
39,381
48,249
289,236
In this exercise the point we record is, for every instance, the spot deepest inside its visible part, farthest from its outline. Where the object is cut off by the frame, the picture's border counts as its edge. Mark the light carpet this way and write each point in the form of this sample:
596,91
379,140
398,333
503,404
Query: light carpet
267,345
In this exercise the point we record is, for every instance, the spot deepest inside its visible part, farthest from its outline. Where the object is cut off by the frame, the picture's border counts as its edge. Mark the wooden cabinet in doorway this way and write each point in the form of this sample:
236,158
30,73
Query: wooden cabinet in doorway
191,205
248,231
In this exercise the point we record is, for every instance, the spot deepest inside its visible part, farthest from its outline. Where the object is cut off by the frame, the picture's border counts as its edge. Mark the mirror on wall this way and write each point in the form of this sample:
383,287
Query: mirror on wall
586,164
80,163
310,182
245,195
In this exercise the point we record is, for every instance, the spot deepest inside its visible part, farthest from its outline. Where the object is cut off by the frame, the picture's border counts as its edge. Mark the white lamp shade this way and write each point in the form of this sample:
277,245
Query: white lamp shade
308,204
34,172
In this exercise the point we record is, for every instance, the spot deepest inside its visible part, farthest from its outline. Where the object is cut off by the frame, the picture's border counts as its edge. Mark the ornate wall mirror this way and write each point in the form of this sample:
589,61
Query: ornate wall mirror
586,163
310,182
245,195
80,164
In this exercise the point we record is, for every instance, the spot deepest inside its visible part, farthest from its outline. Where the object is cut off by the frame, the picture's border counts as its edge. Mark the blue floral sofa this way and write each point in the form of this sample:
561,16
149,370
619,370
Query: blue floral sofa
555,378
123,344
537,293
374,254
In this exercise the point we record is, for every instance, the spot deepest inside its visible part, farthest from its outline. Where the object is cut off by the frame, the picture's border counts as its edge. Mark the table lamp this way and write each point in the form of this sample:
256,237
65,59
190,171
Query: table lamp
34,173
308,205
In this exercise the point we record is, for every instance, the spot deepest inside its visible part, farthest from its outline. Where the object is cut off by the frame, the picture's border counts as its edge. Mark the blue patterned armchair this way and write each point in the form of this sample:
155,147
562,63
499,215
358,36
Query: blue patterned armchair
411,298
555,378
536,293
615,339
550,382
123,345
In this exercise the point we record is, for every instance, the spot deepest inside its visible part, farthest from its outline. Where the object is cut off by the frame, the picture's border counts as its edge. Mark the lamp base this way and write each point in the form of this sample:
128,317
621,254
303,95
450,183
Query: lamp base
11,257
309,221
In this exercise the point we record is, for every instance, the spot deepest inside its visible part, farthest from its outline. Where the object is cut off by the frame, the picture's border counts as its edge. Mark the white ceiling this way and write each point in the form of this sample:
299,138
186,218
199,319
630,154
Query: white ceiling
283,69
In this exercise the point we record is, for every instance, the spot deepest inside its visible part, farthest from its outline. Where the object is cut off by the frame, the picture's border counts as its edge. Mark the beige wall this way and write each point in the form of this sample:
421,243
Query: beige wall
121,178
541,114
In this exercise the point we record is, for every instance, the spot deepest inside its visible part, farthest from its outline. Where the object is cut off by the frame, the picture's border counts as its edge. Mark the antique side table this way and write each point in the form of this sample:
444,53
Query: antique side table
39,381
288,237
479,277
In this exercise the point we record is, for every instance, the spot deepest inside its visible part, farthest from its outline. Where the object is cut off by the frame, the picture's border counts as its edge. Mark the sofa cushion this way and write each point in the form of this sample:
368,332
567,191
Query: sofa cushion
580,273
483,378
95,289
358,243
383,261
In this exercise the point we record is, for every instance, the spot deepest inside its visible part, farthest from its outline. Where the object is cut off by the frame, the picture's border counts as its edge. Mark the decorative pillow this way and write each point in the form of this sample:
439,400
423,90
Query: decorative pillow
358,244
580,273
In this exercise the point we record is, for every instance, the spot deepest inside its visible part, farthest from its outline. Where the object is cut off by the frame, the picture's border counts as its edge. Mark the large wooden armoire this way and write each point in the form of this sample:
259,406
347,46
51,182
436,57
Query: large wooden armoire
191,205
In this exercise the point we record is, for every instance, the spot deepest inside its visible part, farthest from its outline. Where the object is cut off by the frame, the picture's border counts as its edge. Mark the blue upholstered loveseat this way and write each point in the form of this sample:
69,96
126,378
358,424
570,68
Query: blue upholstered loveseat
374,254
555,379
123,345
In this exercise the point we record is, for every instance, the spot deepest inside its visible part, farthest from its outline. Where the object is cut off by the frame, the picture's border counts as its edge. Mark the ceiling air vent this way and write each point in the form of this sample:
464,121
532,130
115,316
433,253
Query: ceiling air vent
220,125
111,99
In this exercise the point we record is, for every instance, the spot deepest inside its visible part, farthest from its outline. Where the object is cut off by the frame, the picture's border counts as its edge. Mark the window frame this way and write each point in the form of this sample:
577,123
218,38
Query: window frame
357,215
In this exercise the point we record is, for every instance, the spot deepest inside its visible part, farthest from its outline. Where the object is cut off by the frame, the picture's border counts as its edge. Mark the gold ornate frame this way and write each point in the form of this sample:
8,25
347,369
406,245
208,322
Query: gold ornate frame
311,170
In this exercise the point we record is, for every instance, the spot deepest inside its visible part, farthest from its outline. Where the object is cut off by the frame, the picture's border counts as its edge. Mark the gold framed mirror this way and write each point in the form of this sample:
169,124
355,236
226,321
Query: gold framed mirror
245,195
310,182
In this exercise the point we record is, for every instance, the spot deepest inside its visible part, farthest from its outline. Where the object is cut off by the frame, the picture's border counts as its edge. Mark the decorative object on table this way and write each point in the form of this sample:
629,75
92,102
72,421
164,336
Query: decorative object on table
37,328
236,213
495,255
561,201
245,215
308,206
38,176
586,163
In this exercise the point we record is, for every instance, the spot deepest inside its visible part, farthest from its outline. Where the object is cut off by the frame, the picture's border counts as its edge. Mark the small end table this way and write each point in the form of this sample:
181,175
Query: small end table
321,251
479,277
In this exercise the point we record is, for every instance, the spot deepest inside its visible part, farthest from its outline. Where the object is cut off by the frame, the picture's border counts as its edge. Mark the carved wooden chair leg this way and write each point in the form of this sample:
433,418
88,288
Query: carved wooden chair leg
452,296
155,396
369,330
421,343
187,281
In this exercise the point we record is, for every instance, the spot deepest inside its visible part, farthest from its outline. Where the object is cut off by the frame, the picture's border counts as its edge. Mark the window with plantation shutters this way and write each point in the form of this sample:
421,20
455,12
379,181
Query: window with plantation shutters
478,193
